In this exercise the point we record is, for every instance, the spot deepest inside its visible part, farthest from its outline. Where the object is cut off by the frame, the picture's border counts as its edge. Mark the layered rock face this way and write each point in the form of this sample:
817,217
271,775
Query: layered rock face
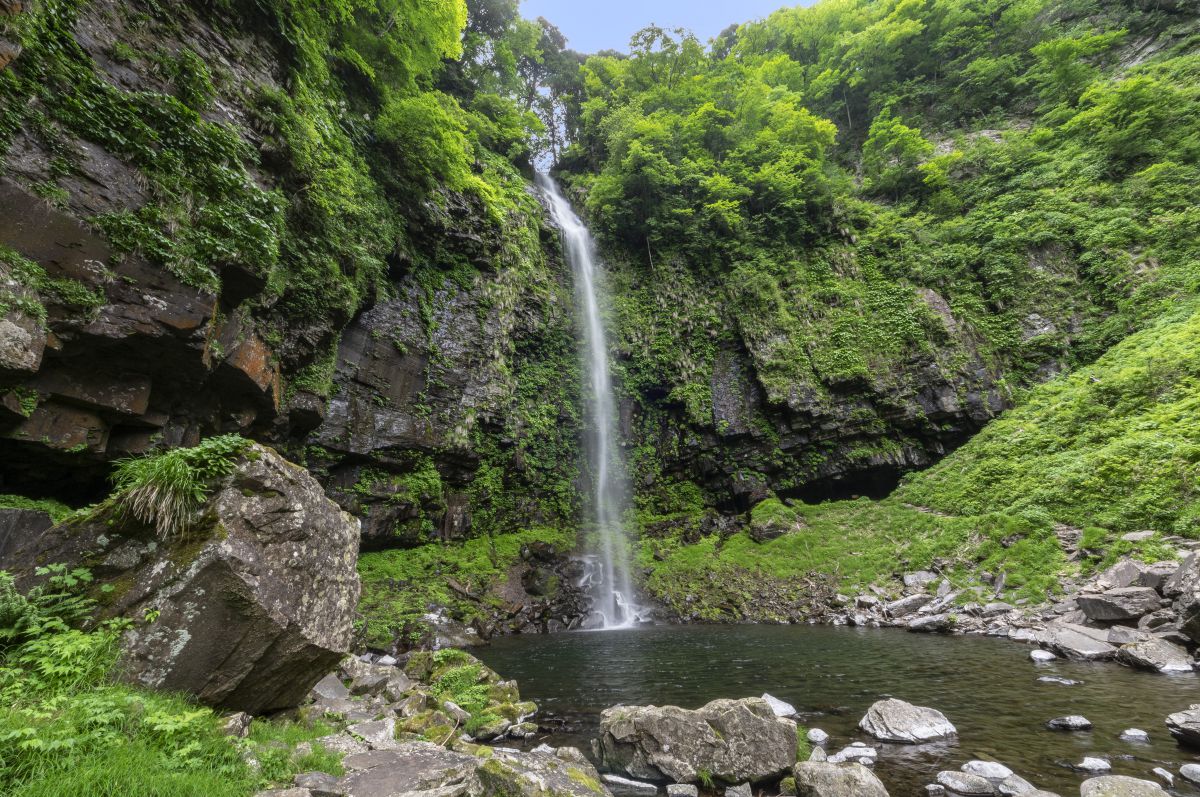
248,609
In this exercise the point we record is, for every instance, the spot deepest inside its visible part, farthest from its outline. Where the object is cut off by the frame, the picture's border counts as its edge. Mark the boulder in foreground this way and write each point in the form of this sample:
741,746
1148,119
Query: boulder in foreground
734,741
1120,786
822,779
247,607
894,720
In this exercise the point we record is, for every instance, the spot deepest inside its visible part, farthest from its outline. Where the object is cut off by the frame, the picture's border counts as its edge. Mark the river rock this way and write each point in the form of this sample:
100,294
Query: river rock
1058,679
733,740
1074,722
1119,786
1164,775
1042,656
1077,641
1134,735
931,623
817,736
1185,726
1155,654
894,720
741,790
682,790
1016,786
823,779
992,770
627,787
251,606
779,707
906,605
964,783
1190,773
1093,764
1122,603
857,753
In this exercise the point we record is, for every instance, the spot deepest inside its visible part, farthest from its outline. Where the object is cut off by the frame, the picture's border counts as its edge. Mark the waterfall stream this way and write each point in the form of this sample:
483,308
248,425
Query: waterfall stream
607,569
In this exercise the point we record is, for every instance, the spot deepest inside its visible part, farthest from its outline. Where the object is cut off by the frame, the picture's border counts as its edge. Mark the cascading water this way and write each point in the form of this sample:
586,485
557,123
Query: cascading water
606,572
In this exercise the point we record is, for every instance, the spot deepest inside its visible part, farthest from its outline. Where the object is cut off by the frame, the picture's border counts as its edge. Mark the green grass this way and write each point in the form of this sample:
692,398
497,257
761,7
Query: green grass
55,509
165,489
400,586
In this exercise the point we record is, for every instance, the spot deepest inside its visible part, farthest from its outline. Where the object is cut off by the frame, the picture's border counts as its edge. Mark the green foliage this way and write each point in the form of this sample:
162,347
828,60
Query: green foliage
400,586
166,488
57,510
274,744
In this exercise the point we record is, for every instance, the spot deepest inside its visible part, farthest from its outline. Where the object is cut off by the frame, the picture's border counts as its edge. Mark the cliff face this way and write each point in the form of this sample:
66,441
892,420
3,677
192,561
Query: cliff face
433,397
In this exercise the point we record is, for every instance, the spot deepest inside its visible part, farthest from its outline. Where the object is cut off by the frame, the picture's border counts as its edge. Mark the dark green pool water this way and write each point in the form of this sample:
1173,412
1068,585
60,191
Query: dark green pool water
987,687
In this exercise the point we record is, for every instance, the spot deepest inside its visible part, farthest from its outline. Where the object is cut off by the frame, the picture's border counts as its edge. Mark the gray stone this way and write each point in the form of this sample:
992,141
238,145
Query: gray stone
1190,773
996,608
319,784
1120,786
1124,635
779,707
330,688
817,736
1155,654
682,790
931,623
237,725
906,606
992,770
823,779
342,743
733,740
857,752
1134,735
1015,786
918,580
378,735
1164,775
1073,722
965,783
1058,679
251,607
1186,577
1042,656
1185,726
741,790
627,787
894,720
1076,641
1122,603
818,754
1093,764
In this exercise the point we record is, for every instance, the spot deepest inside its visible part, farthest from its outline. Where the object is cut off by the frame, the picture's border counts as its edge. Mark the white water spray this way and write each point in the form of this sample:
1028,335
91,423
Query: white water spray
606,574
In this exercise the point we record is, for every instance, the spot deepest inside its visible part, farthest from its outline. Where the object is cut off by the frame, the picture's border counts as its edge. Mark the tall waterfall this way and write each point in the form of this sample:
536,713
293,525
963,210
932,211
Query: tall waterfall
607,575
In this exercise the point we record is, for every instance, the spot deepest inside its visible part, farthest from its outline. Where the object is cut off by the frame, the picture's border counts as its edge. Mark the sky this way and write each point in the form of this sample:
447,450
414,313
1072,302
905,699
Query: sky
593,25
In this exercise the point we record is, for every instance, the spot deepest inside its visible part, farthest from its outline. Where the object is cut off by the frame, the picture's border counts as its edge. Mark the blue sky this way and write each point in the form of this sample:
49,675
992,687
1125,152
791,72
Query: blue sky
592,25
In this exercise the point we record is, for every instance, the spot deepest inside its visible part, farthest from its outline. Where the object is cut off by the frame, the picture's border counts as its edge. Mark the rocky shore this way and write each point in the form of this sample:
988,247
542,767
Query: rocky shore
1143,615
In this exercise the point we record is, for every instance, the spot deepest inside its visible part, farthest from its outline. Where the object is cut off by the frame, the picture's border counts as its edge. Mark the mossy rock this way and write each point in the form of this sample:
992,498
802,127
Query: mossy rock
419,666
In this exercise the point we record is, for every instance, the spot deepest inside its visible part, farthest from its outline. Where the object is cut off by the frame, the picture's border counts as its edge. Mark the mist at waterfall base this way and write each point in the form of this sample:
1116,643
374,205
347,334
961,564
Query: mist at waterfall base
606,568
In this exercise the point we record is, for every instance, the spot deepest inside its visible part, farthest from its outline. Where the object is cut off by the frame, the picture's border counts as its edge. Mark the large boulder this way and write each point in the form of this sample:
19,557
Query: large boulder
1120,786
1122,603
894,720
1076,641
822,779
734,741
248,608
1185,726
1155,654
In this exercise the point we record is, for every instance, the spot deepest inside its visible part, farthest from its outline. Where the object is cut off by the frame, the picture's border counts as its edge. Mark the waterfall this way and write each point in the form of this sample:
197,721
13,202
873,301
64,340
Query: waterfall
606,575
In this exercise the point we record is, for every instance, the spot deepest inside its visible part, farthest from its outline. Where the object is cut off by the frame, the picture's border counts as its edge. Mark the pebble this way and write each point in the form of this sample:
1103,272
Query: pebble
1134,735
817,736
1074,722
